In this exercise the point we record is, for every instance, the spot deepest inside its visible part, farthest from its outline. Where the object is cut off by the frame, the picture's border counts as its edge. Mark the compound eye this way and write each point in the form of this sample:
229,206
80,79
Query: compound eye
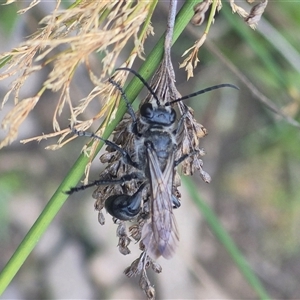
172,116
147,111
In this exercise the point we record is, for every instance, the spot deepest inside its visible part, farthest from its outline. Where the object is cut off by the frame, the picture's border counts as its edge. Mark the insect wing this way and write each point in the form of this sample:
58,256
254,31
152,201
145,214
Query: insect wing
160,236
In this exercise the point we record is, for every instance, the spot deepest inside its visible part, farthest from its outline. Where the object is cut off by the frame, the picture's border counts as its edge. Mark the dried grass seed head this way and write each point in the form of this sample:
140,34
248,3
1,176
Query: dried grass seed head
252,18
66,39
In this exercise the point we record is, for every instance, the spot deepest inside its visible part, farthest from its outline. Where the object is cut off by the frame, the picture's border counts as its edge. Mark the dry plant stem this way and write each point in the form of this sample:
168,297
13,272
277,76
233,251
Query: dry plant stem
74,175
168,38
170,25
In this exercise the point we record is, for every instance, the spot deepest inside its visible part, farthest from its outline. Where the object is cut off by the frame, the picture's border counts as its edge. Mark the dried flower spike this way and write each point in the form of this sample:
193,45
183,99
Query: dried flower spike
66,40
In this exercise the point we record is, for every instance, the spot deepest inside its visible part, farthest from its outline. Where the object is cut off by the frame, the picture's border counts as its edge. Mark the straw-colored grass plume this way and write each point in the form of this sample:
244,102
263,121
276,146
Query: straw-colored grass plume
66,39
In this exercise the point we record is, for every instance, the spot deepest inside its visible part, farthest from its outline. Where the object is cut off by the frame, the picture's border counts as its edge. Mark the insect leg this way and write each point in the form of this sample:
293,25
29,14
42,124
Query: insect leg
183,157
126,157
123,179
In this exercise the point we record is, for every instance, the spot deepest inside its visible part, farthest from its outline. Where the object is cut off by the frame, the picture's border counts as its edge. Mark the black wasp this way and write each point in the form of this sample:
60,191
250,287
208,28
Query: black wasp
155,165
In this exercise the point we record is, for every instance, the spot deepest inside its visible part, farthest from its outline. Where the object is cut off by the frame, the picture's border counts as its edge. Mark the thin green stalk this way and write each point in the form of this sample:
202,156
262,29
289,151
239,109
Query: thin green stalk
211,16
76,172
226,241
5,60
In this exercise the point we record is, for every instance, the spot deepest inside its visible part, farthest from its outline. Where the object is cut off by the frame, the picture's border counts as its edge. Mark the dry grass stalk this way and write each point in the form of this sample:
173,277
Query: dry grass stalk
252,18
89,27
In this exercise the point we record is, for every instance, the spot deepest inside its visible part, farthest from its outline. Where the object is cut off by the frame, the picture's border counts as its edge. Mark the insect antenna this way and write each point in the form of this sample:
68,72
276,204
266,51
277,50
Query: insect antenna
124,96
142,80
211,88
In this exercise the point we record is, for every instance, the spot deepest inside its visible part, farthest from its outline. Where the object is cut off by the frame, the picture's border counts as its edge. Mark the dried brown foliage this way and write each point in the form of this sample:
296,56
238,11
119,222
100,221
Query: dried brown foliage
81,30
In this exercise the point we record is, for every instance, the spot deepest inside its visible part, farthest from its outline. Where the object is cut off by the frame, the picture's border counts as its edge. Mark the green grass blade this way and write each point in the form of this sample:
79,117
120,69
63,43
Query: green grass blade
224,238
5,60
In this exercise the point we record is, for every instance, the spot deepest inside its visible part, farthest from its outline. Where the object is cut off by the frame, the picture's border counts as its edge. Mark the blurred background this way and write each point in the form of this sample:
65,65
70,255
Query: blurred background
252,156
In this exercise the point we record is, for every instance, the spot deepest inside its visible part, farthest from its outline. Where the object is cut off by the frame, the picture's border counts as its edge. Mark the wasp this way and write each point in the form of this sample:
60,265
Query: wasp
153,161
